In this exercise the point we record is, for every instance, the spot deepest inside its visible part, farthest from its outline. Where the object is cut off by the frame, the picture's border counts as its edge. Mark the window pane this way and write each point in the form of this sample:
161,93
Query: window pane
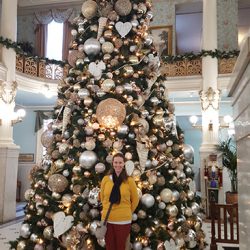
54,40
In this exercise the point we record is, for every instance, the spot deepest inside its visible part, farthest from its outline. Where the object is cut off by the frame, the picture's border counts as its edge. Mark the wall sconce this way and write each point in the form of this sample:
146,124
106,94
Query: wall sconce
227,121
16,117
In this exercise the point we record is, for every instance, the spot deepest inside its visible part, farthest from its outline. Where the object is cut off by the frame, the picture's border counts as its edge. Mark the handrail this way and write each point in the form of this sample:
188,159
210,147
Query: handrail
227,218
43,69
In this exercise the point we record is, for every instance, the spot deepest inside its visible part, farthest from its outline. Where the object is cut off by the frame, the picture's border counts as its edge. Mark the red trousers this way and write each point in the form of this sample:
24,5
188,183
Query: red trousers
116,236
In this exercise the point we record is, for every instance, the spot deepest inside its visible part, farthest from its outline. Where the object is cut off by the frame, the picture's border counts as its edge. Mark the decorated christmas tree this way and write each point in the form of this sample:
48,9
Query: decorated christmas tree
113,100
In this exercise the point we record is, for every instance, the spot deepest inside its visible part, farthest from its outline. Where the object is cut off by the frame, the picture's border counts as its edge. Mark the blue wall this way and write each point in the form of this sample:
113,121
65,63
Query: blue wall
24,133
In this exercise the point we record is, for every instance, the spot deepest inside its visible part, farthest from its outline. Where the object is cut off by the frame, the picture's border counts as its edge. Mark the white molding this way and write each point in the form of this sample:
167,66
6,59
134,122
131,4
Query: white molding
27,3
34,84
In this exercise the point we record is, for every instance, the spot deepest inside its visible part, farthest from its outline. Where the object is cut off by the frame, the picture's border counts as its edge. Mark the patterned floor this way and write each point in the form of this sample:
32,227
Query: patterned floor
10,231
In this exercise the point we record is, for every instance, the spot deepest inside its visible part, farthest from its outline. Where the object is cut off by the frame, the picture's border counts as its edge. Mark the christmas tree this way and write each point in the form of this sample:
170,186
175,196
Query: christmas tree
113,100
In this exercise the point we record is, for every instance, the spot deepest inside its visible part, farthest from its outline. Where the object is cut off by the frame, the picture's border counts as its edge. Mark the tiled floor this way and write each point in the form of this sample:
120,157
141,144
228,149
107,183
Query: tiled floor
10,231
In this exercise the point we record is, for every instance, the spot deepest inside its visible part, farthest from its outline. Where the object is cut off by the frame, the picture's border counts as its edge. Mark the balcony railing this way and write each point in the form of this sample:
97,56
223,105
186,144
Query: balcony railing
32,67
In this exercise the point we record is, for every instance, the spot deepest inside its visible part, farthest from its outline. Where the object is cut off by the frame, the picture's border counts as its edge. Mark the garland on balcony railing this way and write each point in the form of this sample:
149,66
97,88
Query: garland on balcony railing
191,56
8,43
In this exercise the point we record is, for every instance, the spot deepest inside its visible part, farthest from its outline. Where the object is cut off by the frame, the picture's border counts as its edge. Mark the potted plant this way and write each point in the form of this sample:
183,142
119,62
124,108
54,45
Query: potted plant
229,161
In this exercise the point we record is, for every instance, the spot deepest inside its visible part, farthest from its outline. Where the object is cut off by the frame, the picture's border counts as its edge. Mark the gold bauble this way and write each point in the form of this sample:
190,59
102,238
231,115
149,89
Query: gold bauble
107,85
108,34
110,113
128,70
57,183
107,47
89,9
133,59
123,7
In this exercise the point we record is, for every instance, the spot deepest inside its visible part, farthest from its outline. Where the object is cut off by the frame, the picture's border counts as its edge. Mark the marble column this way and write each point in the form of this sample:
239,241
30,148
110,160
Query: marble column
8,150
209,93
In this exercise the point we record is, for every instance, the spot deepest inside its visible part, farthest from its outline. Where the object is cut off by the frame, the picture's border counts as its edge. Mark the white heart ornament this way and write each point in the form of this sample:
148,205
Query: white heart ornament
62,223
123,28
129,166
96,69
170,245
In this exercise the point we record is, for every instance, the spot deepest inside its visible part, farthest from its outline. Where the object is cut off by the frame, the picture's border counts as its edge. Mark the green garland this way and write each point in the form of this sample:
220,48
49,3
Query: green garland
167,59
8,43
191,56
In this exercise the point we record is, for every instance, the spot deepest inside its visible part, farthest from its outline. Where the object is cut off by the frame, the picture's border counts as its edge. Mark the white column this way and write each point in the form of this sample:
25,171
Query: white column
8,150
210,113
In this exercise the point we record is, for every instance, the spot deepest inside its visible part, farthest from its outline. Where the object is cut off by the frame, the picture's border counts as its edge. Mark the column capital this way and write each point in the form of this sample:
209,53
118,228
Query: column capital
210,98
8,91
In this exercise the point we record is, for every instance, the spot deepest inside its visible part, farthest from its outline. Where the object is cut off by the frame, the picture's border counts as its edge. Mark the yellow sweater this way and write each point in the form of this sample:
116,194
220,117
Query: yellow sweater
129,199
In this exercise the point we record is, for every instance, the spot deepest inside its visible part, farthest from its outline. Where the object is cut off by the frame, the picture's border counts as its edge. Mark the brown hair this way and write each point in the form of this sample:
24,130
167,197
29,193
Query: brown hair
123,174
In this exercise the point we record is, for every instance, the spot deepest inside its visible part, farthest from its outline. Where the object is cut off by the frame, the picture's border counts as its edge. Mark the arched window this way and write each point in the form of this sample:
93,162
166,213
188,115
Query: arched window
54,40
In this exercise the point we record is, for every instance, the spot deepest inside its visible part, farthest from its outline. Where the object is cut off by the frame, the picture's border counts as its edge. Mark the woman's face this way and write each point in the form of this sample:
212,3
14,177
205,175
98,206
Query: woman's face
118,165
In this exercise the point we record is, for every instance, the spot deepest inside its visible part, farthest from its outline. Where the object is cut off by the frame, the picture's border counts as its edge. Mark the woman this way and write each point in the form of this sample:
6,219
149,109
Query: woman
120,190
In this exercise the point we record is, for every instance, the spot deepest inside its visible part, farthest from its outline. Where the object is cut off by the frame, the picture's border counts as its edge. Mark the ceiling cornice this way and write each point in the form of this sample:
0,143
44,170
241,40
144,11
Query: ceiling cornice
30,9
34,84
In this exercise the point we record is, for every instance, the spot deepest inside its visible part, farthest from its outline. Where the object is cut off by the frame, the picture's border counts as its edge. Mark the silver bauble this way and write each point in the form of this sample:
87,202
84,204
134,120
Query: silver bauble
87,159
166,195
25,230
149,15
92,47
123,130
148,40
162,205
100,167
137,245
34,237
93,196
148,200
191,238
29,193
83,93
89,9
195,208
188,152
175,195
172,210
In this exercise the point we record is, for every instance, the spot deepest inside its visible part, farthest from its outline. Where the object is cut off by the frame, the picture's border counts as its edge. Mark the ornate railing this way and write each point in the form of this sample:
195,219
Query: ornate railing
30,66
40,68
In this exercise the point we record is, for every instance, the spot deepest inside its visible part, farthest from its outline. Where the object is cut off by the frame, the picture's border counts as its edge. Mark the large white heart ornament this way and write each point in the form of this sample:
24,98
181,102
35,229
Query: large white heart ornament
96,69
62,223
129,166
123,28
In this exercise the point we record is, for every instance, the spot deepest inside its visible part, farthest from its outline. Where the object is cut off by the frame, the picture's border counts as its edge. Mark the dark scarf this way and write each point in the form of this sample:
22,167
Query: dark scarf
115,195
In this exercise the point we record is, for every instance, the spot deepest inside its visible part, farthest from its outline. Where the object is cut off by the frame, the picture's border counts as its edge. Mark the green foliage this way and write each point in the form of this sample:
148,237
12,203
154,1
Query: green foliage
229,160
